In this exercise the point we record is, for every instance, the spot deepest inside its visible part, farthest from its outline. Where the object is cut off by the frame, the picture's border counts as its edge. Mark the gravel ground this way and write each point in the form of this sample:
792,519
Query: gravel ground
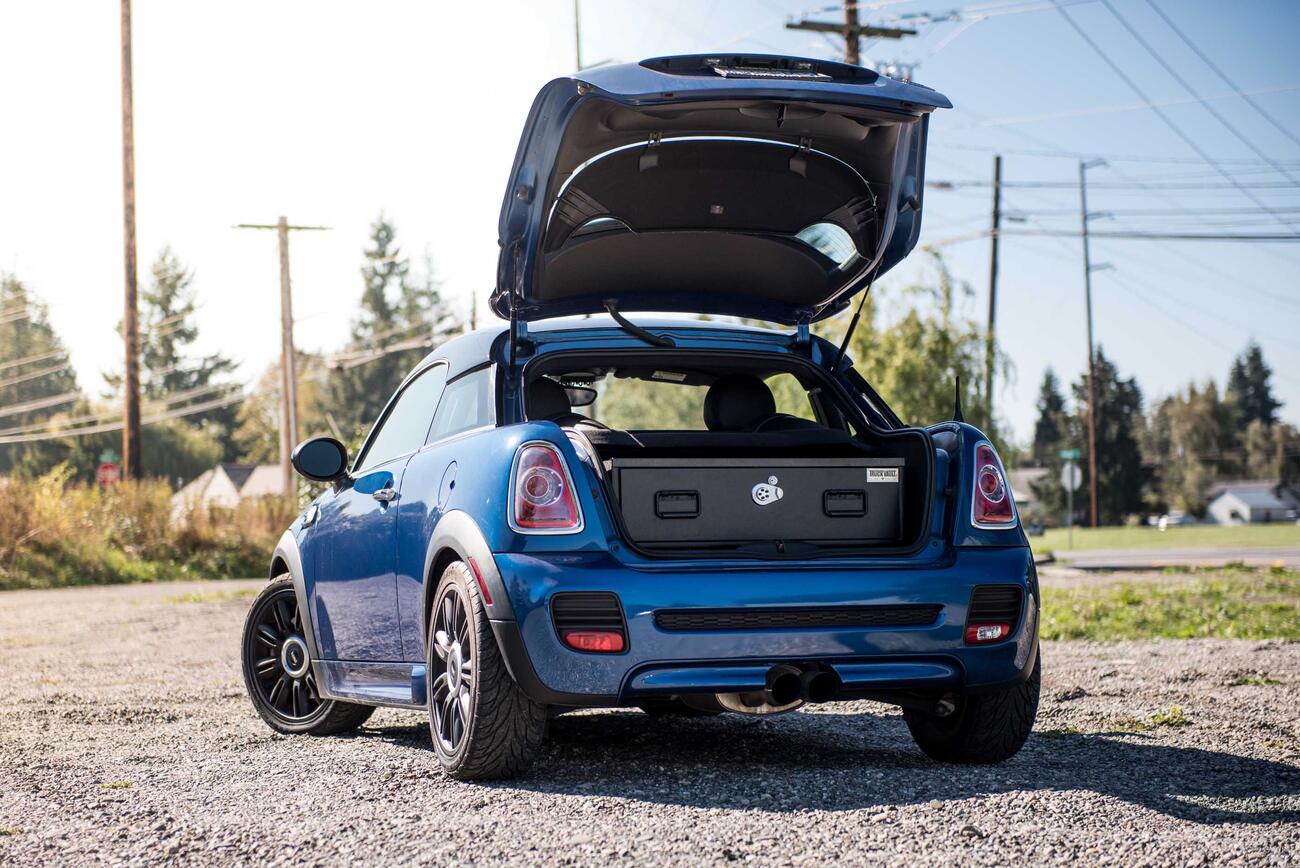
125,737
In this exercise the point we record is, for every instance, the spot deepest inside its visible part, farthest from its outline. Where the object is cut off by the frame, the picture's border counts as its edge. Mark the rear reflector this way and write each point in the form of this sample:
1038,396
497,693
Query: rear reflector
979,633
482,585
590,621
599,642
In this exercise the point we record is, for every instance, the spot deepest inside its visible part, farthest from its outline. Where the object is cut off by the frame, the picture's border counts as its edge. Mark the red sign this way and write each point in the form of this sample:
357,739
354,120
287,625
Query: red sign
107,474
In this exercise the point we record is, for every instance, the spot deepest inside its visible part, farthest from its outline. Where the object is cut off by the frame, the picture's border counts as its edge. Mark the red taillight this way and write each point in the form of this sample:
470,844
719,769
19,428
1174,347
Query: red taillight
991,503
543,495
977,634
597,641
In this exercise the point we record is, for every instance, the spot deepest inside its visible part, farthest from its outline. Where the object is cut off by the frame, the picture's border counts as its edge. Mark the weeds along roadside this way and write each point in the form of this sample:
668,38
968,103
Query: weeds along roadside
56,533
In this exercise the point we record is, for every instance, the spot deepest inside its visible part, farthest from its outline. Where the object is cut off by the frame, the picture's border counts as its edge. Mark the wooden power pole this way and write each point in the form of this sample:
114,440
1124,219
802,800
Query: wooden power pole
131,458
288,365
995,233
1092,368
852,31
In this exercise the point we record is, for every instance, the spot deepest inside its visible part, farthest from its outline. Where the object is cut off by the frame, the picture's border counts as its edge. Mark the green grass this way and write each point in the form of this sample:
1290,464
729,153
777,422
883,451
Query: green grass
1235,603
1278,534
116,785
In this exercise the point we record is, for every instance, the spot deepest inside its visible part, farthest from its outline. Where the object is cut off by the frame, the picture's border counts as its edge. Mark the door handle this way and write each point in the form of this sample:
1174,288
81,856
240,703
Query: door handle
385,495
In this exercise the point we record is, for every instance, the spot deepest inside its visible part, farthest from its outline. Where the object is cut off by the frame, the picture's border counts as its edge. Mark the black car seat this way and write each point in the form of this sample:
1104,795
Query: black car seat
546,399
743,402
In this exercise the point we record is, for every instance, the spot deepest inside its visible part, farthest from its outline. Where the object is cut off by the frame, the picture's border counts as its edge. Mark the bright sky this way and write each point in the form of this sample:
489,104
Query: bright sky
329,112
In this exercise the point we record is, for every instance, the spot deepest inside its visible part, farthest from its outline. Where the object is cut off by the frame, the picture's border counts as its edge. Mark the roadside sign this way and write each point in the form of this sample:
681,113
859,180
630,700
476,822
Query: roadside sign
1071,476
1069,454
107,474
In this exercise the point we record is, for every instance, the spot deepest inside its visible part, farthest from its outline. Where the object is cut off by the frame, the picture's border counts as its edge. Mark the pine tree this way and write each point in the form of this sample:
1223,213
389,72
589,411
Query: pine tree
1249,388
399,321
169,369
1050,426
35,373
1120,472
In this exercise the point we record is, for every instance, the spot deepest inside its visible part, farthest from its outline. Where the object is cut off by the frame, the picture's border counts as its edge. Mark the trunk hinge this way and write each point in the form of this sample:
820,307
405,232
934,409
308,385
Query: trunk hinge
799,159
802,334
650,156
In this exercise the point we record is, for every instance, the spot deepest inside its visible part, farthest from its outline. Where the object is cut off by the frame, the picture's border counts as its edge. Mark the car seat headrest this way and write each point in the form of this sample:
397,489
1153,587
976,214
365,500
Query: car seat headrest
736,402
546,399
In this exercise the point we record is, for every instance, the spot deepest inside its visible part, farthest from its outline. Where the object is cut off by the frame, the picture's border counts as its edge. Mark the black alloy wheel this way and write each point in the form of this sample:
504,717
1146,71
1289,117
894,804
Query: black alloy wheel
278,669
281,662
451,695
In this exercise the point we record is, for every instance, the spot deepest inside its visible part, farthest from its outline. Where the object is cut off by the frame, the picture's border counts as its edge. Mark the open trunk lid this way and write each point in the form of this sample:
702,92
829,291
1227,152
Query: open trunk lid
759,186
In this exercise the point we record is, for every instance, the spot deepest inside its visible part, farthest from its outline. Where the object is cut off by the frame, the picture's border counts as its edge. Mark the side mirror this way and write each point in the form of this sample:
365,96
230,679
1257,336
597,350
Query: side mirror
581,396
321,459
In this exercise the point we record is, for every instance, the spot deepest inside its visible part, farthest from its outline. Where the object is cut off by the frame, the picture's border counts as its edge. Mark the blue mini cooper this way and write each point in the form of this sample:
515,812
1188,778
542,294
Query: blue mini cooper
592,507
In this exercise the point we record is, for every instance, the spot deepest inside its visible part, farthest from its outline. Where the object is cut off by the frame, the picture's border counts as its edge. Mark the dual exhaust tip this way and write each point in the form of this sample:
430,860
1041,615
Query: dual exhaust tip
787,684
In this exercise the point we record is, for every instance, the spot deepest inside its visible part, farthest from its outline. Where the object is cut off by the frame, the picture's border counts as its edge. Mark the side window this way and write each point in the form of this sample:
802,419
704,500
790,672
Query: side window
404,428
466,404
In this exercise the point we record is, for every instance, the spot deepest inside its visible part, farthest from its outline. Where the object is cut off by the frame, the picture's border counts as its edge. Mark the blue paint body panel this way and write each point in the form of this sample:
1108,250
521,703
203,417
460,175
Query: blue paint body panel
366,564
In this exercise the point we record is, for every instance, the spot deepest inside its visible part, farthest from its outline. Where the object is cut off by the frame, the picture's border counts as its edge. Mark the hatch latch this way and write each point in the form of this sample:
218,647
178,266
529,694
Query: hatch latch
650,156
799,159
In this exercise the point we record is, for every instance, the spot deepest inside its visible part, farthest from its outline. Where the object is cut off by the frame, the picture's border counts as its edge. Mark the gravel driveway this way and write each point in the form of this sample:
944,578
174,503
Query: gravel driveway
125,737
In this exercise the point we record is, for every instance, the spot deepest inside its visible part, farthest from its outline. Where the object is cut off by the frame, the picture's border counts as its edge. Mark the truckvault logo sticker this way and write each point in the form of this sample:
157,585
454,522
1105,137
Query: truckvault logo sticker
882,474
766,492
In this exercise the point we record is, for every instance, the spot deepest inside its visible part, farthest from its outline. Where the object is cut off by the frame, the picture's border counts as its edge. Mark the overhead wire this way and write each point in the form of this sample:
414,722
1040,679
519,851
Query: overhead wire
1187,139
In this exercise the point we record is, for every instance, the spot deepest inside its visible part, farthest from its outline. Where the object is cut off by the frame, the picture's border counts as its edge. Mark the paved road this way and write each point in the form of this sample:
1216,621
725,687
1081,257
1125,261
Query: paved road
125,737
1139,559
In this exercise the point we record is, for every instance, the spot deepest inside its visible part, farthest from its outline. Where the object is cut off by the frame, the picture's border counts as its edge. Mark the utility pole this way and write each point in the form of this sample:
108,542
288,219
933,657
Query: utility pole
577,36
852,31
996,232
288,364
1084,166
131,458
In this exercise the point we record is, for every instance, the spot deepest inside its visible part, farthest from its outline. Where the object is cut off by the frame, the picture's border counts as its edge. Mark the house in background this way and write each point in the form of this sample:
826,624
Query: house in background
1022,481
227,484
1252,502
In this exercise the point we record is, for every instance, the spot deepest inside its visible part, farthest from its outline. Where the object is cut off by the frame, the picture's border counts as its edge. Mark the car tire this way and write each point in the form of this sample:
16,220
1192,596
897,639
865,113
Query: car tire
483,726
278,673
985,728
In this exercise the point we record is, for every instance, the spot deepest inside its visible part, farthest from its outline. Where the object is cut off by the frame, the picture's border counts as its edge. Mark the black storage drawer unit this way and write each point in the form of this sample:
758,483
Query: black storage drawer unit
722,500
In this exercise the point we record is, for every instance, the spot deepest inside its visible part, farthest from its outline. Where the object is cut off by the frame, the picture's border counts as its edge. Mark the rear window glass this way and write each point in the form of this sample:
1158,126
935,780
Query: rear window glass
645,405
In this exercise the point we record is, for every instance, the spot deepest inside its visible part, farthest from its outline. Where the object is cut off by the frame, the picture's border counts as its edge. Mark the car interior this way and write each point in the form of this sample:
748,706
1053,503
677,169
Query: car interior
714,414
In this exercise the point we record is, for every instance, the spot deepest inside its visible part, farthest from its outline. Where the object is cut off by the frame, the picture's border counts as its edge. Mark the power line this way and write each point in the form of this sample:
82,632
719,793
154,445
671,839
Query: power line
1048,151
39,404
1134,184
1165,236
117,426
39,357
44,424
34,375
1248,142
1221,74
1190,141
1116,108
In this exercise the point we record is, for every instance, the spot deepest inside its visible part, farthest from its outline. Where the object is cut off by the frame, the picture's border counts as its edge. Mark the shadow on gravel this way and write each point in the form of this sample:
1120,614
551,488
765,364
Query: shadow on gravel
851,761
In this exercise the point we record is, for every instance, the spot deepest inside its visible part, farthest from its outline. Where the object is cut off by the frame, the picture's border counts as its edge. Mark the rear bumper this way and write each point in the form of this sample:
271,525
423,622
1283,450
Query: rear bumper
659,662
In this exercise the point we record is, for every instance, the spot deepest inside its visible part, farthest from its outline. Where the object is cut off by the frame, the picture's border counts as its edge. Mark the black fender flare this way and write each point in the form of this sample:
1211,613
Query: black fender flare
457,537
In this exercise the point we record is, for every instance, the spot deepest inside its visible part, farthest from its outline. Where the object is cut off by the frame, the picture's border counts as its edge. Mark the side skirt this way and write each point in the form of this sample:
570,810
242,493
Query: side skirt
396,685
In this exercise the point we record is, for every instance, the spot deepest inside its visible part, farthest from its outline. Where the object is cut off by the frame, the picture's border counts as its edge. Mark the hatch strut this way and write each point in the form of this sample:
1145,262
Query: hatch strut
632,328
853,323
